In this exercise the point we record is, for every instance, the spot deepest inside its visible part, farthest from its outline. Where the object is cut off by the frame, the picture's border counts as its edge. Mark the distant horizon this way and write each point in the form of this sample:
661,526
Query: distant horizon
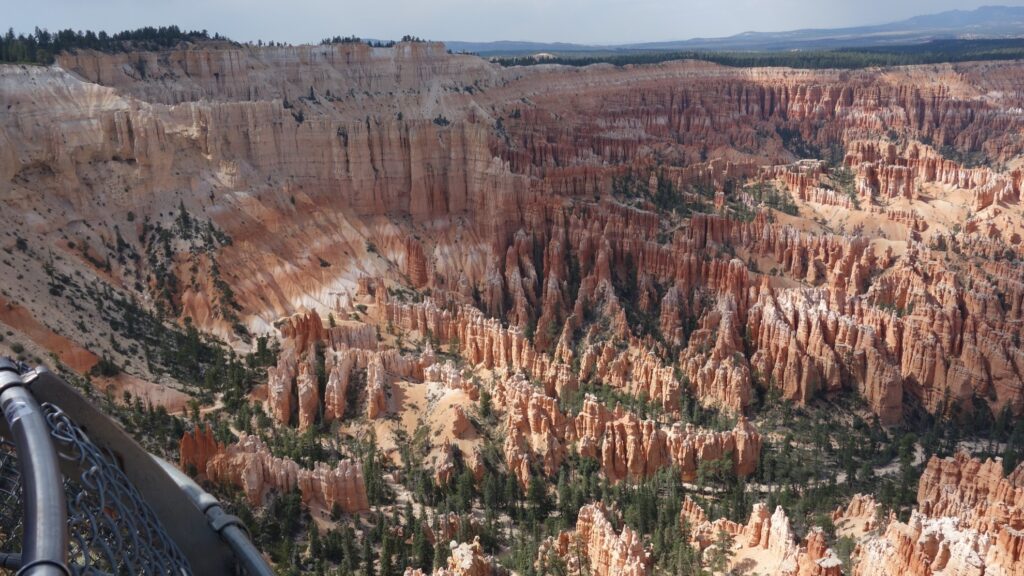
594,22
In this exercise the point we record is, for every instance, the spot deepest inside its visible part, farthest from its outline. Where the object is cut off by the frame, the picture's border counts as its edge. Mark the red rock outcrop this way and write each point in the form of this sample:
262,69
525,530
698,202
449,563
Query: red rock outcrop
968,521
482,341
308,391
766,541
445,527
376,389
451,377
923,546
294,383
886,171
339,369
303,330
805,181
197,448
637,372
595,548
465,560
249,465
816,558
625,446
860,516
714,360
444,466
975,492
536,429
342,485
460,423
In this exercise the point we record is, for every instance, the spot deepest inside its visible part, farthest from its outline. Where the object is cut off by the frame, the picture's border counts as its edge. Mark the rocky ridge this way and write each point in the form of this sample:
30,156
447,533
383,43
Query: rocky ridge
653,234
767,540
594,547
968,521
249,465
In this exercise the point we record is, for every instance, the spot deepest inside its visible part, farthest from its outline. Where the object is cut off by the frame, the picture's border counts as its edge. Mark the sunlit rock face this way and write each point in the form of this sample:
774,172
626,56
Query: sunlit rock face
249,465
603,252
232,187
968,521
466,559
766,542
595,547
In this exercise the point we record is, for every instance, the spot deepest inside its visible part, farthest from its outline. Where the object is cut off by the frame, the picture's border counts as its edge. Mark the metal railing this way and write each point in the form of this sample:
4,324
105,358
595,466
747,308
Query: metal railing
80,496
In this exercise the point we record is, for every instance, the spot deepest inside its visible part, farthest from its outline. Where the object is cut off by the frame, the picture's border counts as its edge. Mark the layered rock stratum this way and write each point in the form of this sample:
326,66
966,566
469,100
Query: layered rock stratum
454,175
599,253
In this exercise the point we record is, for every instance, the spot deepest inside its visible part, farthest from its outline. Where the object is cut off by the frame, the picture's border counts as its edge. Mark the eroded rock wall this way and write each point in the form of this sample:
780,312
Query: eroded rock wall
968,521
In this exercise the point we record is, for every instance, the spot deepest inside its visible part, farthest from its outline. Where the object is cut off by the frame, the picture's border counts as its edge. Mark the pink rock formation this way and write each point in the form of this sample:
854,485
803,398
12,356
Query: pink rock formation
342,486
886,171
816,558
968,521
714,360
536,429
293,384
625,446
250,466
197,448
975,492
308,390
303,330
446,527
451,377
806,349
860,515
444,466
924,546
596,545
376,389
482,341
465,560
339,368
460,424
767,541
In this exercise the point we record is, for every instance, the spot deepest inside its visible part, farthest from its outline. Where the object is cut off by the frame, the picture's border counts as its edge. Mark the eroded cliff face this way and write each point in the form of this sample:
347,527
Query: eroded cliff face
626,447
344,362
968,521
197,448
236,185
599,252
250,466
766,542
594,547
315,376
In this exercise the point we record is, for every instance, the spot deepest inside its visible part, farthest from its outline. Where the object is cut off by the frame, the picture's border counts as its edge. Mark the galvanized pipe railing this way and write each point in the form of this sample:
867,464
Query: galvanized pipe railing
213,541
45,535
228,526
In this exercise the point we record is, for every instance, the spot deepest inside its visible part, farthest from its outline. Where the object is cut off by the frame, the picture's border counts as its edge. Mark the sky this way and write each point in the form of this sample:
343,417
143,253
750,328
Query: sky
579,21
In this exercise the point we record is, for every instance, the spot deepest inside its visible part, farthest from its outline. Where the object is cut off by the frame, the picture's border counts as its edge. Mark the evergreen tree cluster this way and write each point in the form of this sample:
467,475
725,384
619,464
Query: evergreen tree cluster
42,46
934,52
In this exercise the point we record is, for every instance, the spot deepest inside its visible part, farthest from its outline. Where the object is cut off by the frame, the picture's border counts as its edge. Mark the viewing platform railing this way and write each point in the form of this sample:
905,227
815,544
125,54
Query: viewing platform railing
79,496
